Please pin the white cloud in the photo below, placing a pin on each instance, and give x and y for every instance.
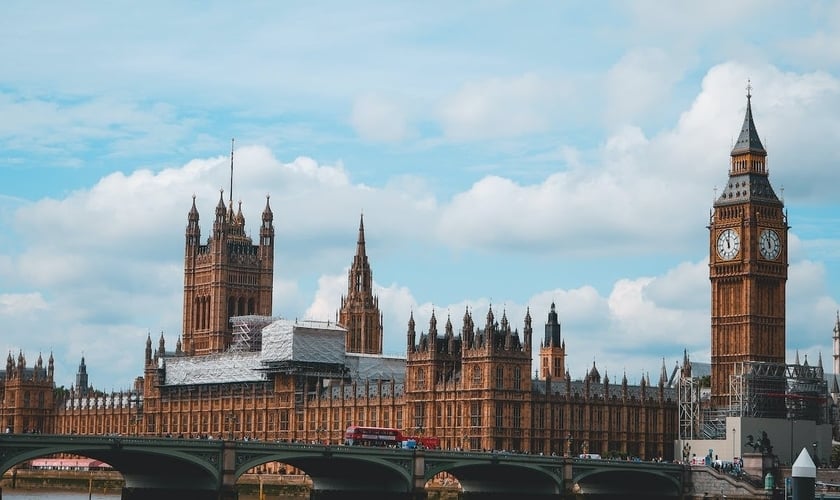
(378, 118)
(641, 190)
(501, 107)
(23, 304)
(106, 261)
(638, 84)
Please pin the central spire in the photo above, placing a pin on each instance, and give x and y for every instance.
(231, 172)
(360, 244)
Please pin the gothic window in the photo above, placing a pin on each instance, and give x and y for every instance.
(420, 383)
(419, 411)
(500, 415)
(26, 399)
(517, 376)
(516, 421)
(500, 377)
(475, 414)
(284, 420)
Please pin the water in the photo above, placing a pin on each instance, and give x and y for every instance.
(10, 494)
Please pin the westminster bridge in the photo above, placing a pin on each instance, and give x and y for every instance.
(167, 468)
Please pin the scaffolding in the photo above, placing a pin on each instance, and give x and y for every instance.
(688, 389)
(759, 389)
(756, 389)
(247, 332)
(808, 394)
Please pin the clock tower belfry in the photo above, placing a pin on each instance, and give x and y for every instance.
(748, 266)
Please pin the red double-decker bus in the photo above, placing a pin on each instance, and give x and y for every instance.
(372, 436)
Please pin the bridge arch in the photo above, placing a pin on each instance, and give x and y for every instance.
(161, 465)
(636, 483)
(339, 469)
(519, 480)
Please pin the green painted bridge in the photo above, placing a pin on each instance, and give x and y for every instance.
(208, 469)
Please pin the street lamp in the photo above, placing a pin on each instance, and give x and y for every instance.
(816, 459)
(686, 452)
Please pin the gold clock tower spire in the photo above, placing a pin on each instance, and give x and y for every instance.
(748, 265)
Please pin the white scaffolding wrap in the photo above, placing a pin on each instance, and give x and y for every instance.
(303, 341)
(213, 369)
(285, 344)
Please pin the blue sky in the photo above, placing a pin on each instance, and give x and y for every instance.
(502, 152)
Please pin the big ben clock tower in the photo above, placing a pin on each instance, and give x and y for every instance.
(748, 265)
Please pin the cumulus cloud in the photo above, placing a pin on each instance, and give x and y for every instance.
(644, 189)
(102, 265)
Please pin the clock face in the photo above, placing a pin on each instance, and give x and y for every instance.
(728, 244)
(769, 244)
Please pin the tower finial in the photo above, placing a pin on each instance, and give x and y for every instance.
(749, 89)
(231, 171)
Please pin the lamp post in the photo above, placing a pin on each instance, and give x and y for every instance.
(734, 443)
(791, 443)
(230, 420)
(816, 459)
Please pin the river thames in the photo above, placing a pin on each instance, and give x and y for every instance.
(10, 494)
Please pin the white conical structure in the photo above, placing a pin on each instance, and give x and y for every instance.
(804, 465)
(803, 477)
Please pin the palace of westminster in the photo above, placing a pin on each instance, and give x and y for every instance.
(237, 372)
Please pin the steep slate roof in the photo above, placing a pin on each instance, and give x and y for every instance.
(748, 141)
